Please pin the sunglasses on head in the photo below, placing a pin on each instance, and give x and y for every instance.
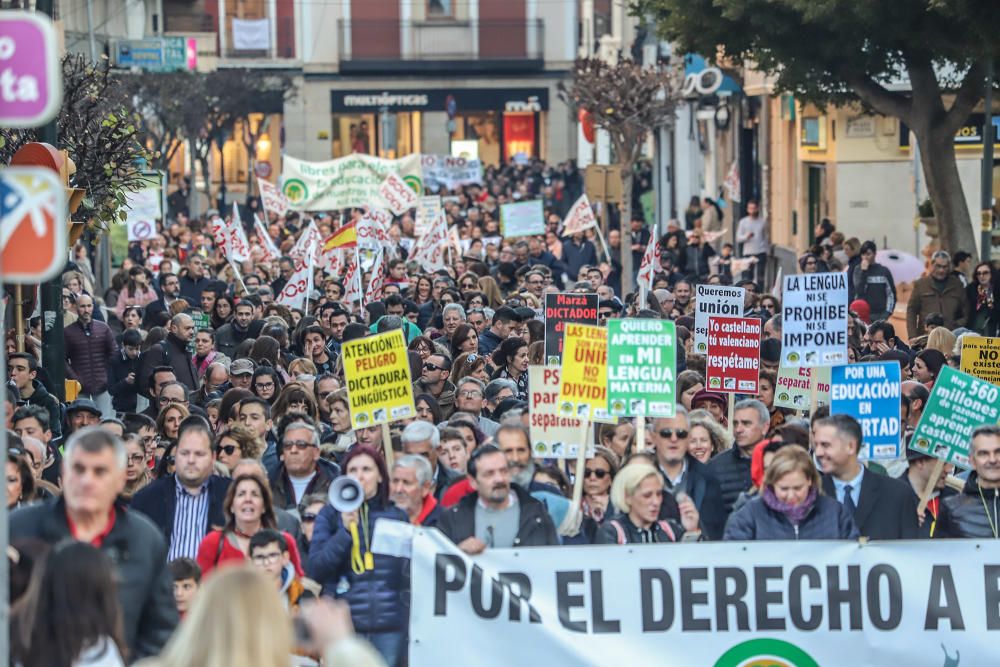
(670, 432)
(595, 472)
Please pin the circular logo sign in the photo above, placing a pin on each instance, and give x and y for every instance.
(415, 183)
(262, 168)
(766, 653)
(295, 190)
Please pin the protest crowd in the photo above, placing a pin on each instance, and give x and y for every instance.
(261, 389)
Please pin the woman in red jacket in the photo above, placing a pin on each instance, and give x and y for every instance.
(249, 508)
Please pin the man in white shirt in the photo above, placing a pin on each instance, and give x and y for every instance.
(755, 236)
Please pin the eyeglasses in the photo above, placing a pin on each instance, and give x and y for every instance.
(468, 285)
(264, 385)
(163, 400)
(594, 472)
(228, 450)
(428, 366)
(670, 432)
(471, 394)
(136, 458)
(308, 517)
(605, 315)
(984, 273)
(297, 444)
(267, 559)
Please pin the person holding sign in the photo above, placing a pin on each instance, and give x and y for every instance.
(974, 512)
(637, 493)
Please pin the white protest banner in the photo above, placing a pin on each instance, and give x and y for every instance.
(271, 252)
(650, 263)
(580, 218)
(553, 436)
(377, 281)
(446, 171)
(230, 237)
(346, 182)
(814, 320)
(714, 301)
(352, 283)
(397, 195)
(298, 287)
(429, 250)
(737, 604)
(143, 212)
(373, 228)
(307, 243)
(525, 218)
(427, 212)
(271, 198)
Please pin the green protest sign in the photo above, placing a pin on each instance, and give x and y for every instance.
(958, 404)
(642, 362)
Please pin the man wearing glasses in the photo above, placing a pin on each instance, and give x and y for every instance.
(534, 282)
(471, 400)
(434, 381)
(302, 472)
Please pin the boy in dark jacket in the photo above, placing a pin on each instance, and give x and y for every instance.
(123, 373)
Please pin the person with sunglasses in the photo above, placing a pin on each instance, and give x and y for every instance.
(302, 471)
(597, 477)
(684, 476)
(434, 381)
(237, 443)
(309, 509)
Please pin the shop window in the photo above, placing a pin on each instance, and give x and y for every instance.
(519, 136)
(363, 133)
(483, 128)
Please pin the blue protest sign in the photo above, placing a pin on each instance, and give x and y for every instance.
(870, 394)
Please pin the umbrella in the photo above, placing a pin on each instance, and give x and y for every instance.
(904, 267)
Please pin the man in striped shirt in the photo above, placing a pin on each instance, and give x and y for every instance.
(188, 503)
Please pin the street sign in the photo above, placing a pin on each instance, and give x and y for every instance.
(32, 224)
(30, 76)
(155, 54)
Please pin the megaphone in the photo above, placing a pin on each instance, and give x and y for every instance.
(346, 494)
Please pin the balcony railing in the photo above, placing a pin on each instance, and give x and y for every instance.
(441, 41)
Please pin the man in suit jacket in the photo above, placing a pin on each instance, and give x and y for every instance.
(186, 505)
(883, 508)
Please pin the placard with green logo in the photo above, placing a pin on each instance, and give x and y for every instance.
(958, 405)
(642, 362)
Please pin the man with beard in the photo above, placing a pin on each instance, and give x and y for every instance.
(90, 347)
(172, 352)
(230, 335)
(422, 438)
(500, 515)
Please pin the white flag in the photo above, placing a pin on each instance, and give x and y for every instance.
(352, 283)
(580, 218)
(272, 199)
(271, 252)
(305, 247)
(373, 229)
(399, 196)
(230, 237)
(377, 282)
(429, 250)
(298, 287)
(650, 263)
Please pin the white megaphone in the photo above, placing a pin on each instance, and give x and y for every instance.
(346, 494)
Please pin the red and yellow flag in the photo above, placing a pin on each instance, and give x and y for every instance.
(345, 237)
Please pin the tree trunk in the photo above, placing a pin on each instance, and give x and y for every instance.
(937, 156)
(625, 220)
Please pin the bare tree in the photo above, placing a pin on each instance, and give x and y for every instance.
(628, 101)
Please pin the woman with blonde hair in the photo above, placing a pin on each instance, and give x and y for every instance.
(169, 420)
(707, 438)
(792, 505)
(237, 443)
(942, 340)
(637, 493)
(488, 286)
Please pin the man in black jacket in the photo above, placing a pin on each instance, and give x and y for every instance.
(173, 352)
(123, 373)
(976, 511)
(732, 467)
(93, 476)
(500, 514)
(157, 313)
(22, 369)
(188, 503)
(684, 474)
(230, 335)
(918, 475)
(302, 472)
(883, 508)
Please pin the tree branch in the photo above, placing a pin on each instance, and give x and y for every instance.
(967, 97)
(880, 98)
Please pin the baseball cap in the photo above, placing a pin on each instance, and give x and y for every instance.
(241, 367)
(85, 405)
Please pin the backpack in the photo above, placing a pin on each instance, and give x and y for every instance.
(663, 523)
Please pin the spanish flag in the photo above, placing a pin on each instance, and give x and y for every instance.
(345, 237)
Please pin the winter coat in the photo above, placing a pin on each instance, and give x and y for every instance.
(992, 315)
(124, 395)
(706, 494)
(968, 514)
(445, 478)
(158, 502)
(445, 400)
(284, 492)
(535, 530)
(376, 597)
(575, 257)
(88, 352)
(827, 520)
(43, 399)
(732, 470)
(139, 554)
(664, 530)
(228, 338)
(173, 352)
(926, 300)
(877, 288)
(488, 342)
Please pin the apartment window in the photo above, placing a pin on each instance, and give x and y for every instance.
(440, 8)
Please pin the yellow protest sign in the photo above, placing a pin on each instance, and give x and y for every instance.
(377, 370)
(981, 358)
(583, 386)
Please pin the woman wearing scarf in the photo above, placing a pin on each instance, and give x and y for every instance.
(983, 295)
(791, 505)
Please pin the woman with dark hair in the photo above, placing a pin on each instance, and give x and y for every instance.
(341, 549)
(423, 346)
(511, 360)
(464, 340)
(266, 383)
(472, 364)
(249, 508)
(423, 292)
(428, 409)
(927, 365)
(137, 292)
(230, 405)
(294, 397)
(222, 311)
(166, 460)
(70, 615)
(983, 296)
(266, 351)
(20, 480)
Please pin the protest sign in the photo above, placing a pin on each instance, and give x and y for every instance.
(580, 218)
(814, 319)
(553, 436)
(525, 218)
(981, 358)
(793, 387)
(561, 309)
(714, 300)
(446, 171)
(733, 360)
(230, 237)
(346, 182)
(428, 212)
(429, 250)
(296, 291)
(870, 393)
(714, 604)
(271, 198)
(143, 212)
(957, 405)
(377, 373)
(650, 263)
(399, 196)
(583, 386)
(642, 363)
